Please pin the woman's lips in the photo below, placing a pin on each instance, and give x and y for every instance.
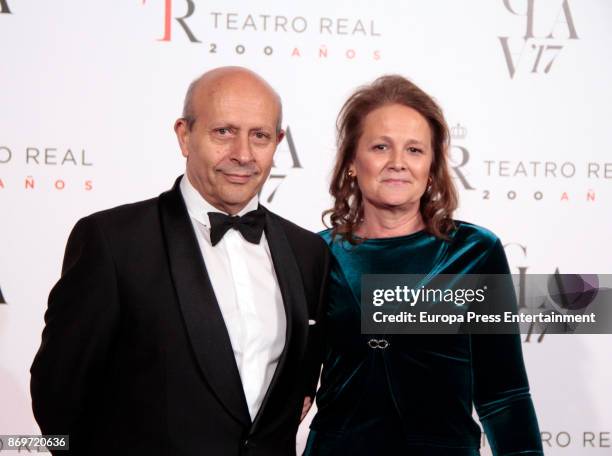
(396, 181)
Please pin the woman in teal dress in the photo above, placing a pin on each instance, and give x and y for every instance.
(393, 203)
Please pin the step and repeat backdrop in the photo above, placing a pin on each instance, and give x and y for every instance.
(89, 92)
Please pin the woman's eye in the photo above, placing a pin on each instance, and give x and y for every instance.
(380, 147)
(415, 150)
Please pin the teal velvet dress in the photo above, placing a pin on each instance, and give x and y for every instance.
(416, 396)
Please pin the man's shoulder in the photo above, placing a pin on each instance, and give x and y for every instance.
(298, 235)
(136, 214)
(125, 215)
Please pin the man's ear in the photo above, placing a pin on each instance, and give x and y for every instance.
(181, 128)
(279, 136)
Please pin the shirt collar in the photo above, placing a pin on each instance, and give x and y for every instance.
(198, 208)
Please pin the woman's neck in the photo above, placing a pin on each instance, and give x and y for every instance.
(389, 222)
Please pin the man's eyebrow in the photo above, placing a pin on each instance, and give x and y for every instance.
(225, 125)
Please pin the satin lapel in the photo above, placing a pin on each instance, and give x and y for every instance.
(292, 291)
(203, 319)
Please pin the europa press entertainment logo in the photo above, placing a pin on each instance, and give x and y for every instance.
(564, 293)
(533, 53)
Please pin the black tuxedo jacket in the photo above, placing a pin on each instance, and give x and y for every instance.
(135, 356)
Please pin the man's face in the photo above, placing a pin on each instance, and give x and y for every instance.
(231, 144)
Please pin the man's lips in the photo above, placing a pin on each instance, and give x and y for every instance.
(237, 178)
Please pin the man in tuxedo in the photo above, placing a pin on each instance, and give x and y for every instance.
(185, 324)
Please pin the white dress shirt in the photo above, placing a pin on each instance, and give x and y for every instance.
(247, 290)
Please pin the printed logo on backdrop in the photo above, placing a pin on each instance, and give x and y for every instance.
(459, 156)
(585, 440)
(280, 171)
(187, 22)
(2, 300)
(46, 168)
(4, 7)
(523, 181)
(564, 291)
(546, 34)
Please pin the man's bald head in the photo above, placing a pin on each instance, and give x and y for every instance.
(229, 132)
(220, 79)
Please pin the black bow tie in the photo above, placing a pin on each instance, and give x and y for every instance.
(250, 225)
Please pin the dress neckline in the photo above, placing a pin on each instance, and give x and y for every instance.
(403, 237)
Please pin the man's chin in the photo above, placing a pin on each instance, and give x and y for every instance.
(239, 195)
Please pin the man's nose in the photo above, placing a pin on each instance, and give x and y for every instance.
(241, 149)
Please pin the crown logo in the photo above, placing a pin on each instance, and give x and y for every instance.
(458, 131)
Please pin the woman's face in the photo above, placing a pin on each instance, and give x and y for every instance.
(393, 158)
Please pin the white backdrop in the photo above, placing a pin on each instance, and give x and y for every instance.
(89, 92)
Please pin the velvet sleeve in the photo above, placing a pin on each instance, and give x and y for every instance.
(501, 389)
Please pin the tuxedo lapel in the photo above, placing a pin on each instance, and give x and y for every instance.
(201, 313)
(294, 302)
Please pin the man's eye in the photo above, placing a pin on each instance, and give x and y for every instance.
(262, 135)
(224, 131)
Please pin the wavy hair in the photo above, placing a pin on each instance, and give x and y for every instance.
(439, 200)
